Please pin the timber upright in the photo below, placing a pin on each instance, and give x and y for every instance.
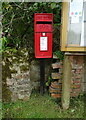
(72, 41)
(43, 27)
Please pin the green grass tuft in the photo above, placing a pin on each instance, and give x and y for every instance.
(43, 107)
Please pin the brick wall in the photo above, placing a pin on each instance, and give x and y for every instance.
(77, 82)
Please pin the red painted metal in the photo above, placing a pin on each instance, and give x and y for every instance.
(43, 32)
(43, 28)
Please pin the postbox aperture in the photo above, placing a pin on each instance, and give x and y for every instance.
(43, 35)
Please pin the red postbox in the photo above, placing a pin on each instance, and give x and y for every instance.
(43, 23)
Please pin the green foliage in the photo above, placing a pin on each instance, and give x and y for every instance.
(0, 110)
(4, 42)
(49, 81)
(59, 54)
(18, 23)
(53, 5)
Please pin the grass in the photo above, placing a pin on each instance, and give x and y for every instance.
(0, 110)
(43, 107)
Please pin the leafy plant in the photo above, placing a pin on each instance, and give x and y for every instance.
(59, 54)
(3, 42)
(18, 23)
(49, 81)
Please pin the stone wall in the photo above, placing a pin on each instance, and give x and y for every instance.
(16, 82)
(20, 75)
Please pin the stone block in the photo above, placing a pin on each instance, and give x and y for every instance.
(56, 65)
(35, 85)
(14, 97)
(9, 82)
(23, 87)
(20, 96)
(23, 82)
(34, 71)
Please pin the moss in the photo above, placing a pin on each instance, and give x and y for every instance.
(20, 59)
(25, 60)
(6, 72)
(24, 68)
(13, 71)
(6, 93)
(19, 53)
(16, 60)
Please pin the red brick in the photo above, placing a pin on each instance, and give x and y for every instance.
(71, 81)
(54, 90)
(56, 86)
(78, 76)
(76, 81)
(77, 90)
(78, 71)
(71, 90)
(76, 86)
(56, 76)
(56, 95)
(71, 58)
(74, 94)
(80, 60)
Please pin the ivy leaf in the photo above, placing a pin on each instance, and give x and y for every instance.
(53, 5)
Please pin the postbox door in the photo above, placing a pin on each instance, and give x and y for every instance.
(43, 27)
(43, 45)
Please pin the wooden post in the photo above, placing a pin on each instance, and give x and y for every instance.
(66, 82)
